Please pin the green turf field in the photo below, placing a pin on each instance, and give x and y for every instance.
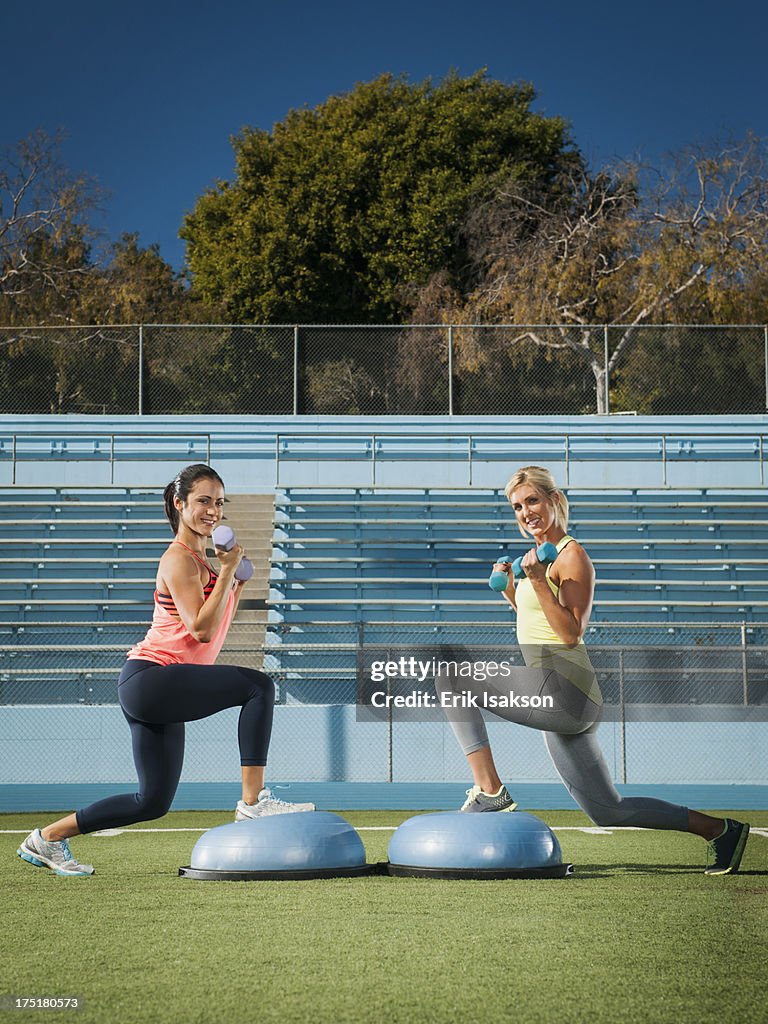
(638, 934)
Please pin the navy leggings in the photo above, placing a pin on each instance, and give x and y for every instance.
(157, 700)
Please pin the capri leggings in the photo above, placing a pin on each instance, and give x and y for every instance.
(570, 737)
(157, 700)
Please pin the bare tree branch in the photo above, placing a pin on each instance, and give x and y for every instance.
(624, 245)
(45, 233)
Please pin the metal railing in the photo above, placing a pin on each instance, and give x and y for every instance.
(90, 446)
(661, 449)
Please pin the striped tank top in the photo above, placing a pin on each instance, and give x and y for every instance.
(169, 642)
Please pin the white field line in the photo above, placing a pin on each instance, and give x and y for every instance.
(592, 831)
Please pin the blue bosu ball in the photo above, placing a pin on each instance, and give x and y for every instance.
(299, 845)
(500, 844)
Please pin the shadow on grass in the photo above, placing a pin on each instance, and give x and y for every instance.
(646, 869)
(665, 869)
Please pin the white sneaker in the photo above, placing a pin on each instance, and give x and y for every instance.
(267, 804)
(56, 856)
(478, 800)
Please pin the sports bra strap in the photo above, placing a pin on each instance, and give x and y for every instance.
(195, 555)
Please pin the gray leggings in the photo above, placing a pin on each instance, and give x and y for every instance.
(569, 733)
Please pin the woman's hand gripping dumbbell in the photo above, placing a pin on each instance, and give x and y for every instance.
(224, 539)
(499, 580)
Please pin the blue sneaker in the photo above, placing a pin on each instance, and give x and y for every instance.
(56, 856)
(477, 800)
(724, 853)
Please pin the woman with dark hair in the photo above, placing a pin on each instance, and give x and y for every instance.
(170, 678)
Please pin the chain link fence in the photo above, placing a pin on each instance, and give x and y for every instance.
(384, 370)
(59, 693)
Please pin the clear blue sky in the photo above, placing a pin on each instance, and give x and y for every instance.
(150, 92)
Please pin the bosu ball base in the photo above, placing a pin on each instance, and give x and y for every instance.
(301, 845)
(478, 874)
(486, 845)
(208, 875)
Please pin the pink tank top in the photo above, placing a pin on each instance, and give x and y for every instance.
(169, 642)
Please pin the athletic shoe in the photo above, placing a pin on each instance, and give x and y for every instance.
(725, 851)
(267, 804)
(477, 800)
(56, 856)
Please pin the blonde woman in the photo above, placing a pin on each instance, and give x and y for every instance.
(553, 604)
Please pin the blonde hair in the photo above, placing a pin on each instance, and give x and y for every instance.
(545, 484)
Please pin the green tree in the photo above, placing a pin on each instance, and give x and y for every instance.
(136, 285)
(339, 210)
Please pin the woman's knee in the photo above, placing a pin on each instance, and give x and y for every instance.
(153, 805)
(606, 816)
(262, 686)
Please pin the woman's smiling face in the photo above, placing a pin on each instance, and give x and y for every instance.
(204, 507)
(534, 511)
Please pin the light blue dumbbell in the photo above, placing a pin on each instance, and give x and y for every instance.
(224, 539)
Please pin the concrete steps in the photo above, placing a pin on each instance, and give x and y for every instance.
(251, 517)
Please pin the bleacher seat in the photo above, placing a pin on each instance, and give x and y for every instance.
(77, 573)
(382, 565)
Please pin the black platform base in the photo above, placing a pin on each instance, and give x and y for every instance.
(366, 870)
(408, 871)
(208, 875)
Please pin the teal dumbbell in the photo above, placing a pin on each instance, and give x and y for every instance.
(499, 580)
(546, 554)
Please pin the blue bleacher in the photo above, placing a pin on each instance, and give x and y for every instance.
(79, 555)
(388, 565)
(77, 571)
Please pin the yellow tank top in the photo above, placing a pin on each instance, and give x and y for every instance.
(542, 647)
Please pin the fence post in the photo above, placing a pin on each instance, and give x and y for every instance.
(622, 704)
(296, 371)
(744, 666)
(450, 370)
(606, 358)
(141, 369)
(567, 460)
